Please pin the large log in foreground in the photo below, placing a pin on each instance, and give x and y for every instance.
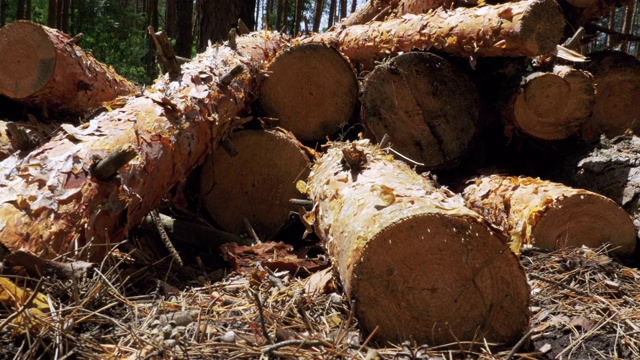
(43, 68)
(427, 106)
(418, 264)
(550, 215)
(525, 28)
(52, 204)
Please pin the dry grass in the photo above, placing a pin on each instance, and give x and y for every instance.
(584, 305)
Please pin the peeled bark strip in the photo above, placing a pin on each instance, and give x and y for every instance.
(428, 107)
(311, 89)
(552, 105)
(617, 78)
(526, 28)
(257, 183)
(42, 68)
(416, 261)
(52, 205)
(550, 215)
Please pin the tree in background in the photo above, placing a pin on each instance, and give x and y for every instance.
(216, 18)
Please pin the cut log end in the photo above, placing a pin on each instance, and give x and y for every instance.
(554, 105)
(617, 77)
(27, 66)
(428, 108)
(436, 278)
(311, 89)
(256, 184)
(585, 219)
(542, 27)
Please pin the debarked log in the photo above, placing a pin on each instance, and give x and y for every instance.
(410, 255)
(52, 204)
(550, 215)
(525, 28)
(44, 68)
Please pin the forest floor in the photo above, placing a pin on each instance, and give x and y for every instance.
(585, 305)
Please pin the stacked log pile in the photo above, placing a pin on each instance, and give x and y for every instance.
(412, 255)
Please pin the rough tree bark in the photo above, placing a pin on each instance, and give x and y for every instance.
(525, 28)
(617, 78)
(551, 105)
(256, 183)
(311, 89)
(43, 68)
(428, 108)
(369, 10)
(411, 255)
(550, 215)
(52, 204)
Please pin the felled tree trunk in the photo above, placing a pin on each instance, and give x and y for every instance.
(418, 264)
(613, 170)
(551, 105)
(580, 12)
(43, 68)
(550, 215)
(617, 78)
(256, 183)
(51, 202)
(311, 89)
(526, 28)
(369, 11)
(427, 107)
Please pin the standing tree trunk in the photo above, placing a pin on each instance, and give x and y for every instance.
(4, 6)
(52, 74)
(170, 18)
(152, 20)
(279, 10)
(65, 15)
(52, 13)
(343, 9)
(428, 107)
(297, 18)
(20, 10)
(184, 31)
(550, 215)
(218, 17)
(354, 5)
(60, 5)
(332, 12)
(317, 15)
(27, 10)
(285, 16)
(411, 255)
